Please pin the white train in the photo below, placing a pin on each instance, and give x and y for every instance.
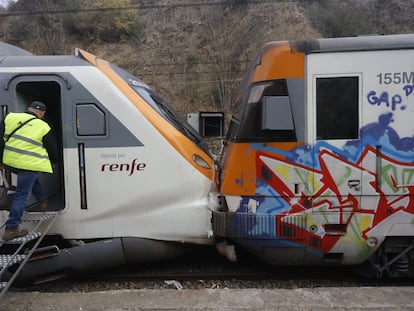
(132, 182)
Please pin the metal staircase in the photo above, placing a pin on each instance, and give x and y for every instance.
(14, 254)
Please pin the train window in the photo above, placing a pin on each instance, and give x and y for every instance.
(211, 124)
(262, 118)
(337, 108)
(233, 126)
(208, 124)
(276, 113)
(160, 106)
(90, 120)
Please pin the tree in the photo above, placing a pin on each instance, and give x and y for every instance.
(335, 18)
(42, 32)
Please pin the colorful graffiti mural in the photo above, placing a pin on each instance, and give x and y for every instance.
(329, 185)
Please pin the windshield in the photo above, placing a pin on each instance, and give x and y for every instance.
(161, 106)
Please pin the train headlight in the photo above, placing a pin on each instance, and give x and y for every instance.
(313, 228)
(200, 161)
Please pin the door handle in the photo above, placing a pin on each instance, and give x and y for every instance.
(354, 184)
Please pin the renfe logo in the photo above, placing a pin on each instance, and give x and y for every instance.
(124, 167)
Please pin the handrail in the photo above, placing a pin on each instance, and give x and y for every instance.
(40, 237)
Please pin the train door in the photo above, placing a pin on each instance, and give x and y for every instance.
(22, 90)
(334, 113)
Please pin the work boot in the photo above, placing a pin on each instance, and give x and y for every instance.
(44, 204)
(12, 233)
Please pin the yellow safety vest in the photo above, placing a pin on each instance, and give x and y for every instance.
(24, 149)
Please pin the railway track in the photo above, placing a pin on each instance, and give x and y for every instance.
(206, 269)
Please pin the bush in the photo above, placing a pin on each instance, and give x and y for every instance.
(339, 18)
(336, 18)
(40, 32)
(105, 20)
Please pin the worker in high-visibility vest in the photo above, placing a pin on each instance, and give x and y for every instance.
(24, 153)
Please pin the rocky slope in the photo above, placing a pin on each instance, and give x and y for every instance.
(195, 56)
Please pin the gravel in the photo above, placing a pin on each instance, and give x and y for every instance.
(207, 270)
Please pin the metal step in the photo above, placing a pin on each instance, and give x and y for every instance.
(8, 260)
(38, 216)
(29, 237)
(19, 259)
(31, 217)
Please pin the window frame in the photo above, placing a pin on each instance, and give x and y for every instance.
(358, 76)
(104, 116)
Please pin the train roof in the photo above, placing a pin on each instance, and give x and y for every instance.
(13, 56)
(42, 61)
(349, 44)
(7, 49)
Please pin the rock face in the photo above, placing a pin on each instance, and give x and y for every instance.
(195, 56)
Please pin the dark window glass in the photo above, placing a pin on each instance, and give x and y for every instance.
(161, 106)
(90, 120)
(337, 108)
(262, 108)
(212, 124)
(276, 113)
(232, 131)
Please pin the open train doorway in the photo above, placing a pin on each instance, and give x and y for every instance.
(49, 92)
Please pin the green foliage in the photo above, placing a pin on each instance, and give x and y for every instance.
(88, 20)
(106, 20)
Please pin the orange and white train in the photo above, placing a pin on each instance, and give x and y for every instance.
(318, 164)
(131, 182)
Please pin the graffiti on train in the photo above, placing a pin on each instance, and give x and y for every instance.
(359, 186)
